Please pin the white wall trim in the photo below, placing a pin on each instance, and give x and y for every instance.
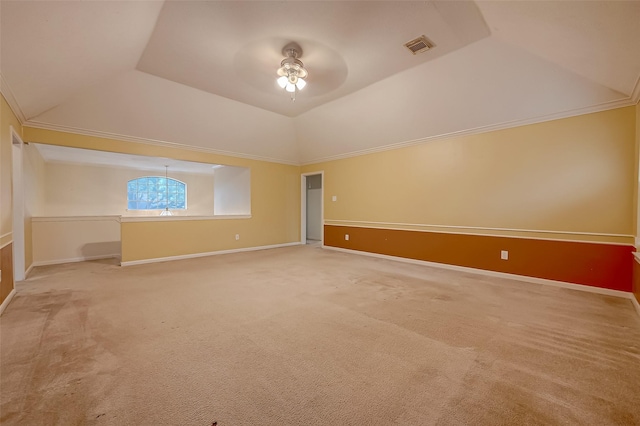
(303, 206)
(28, 271)
(6, 235)
(211, 253)
(74, 260)
(159, 218)
(6, 91)
(6, 301)
(572, 286)
(18, 204)
(115, 218)
(635, 303)
(100, 134)
(620, 103)
(408, 227)
(542, 231)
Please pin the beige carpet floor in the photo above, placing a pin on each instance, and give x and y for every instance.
(306, 336)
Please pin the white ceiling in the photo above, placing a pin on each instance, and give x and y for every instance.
(202, 73)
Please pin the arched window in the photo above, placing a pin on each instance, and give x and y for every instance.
(156, 193)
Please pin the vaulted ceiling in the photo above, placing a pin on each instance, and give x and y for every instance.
(202, 73)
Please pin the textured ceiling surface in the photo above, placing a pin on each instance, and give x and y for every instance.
(202, 73)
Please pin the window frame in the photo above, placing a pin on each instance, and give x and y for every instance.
(168, 179)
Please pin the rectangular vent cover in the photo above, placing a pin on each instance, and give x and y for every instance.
(419, 45)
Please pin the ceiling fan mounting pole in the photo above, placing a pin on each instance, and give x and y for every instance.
(292, 50)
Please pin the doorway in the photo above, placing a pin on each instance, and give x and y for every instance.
(312, 202)
(18, 207)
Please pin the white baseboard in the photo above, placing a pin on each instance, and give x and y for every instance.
(6, 301)
(211, 253)
(71, 260)
(635, 303)
(572, 286)
(26, 273)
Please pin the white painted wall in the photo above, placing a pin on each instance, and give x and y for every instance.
(86, 190)
(232, 191)
(73, 239)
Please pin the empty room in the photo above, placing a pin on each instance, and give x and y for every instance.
(319, 212)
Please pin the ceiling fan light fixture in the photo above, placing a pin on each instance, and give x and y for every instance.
(292, 73)
(282, 81)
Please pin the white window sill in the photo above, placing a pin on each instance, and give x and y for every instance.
(174, 218)
(74, 218)
(156, 218)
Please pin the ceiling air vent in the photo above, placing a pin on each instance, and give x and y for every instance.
(419, 45)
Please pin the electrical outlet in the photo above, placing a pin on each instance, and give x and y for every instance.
(346, 237)
(237, 237)
(504, 255)
(334, 198)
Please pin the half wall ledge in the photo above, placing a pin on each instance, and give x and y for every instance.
(176, 218)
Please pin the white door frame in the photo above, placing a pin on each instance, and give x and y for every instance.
(303, 206)
(18, 206)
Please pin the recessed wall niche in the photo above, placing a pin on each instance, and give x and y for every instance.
(82, 182)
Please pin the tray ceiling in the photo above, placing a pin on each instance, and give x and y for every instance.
(202, 73)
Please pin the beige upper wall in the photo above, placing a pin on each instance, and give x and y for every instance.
(570, 175)
(575, 175)
(86, 190)
(7, 119)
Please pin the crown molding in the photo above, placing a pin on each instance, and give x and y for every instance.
(6, 91)
(620, 103)
(147, 141)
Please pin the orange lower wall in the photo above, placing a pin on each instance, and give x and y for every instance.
(600, 265)
(6, 265)
(636, 279)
